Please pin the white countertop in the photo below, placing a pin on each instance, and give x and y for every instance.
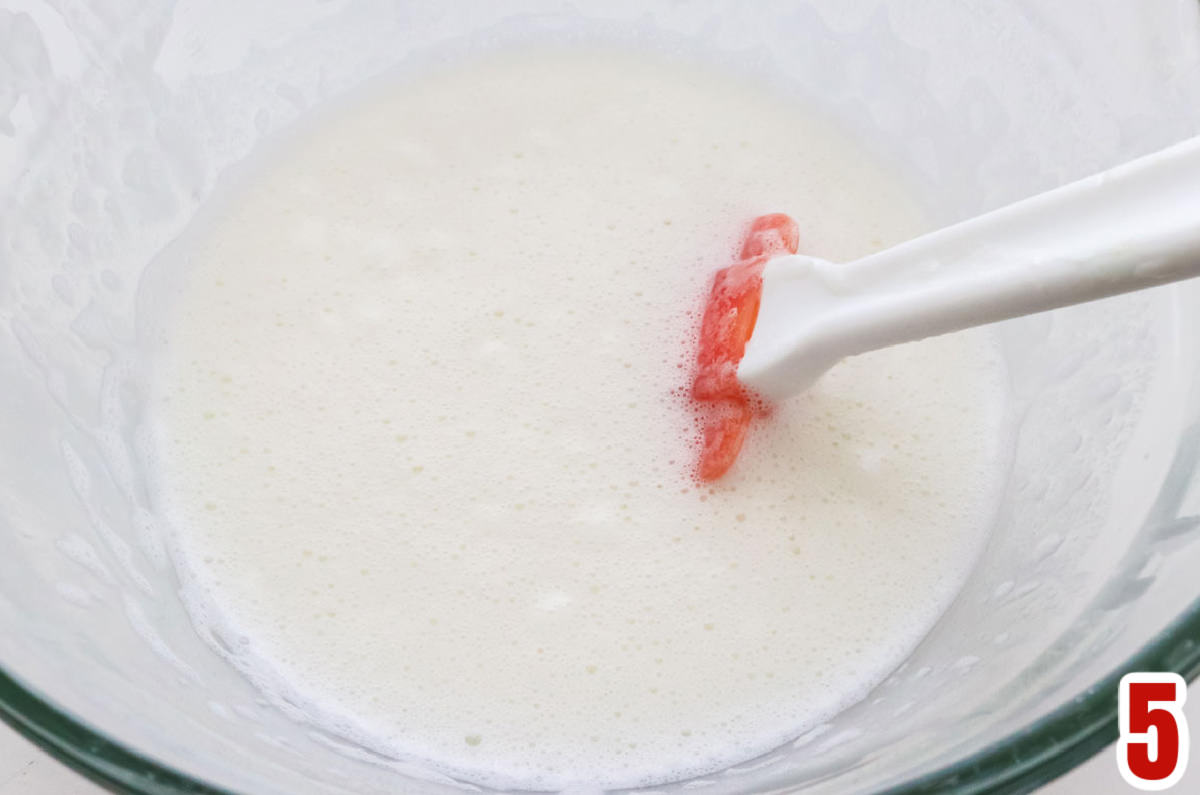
(25, 770)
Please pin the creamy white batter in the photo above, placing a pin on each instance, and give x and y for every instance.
(423, 443)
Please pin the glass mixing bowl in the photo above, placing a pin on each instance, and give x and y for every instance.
(118, 118)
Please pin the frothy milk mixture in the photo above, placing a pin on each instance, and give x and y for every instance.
(423, 442)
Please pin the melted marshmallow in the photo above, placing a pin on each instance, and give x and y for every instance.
(422, 440)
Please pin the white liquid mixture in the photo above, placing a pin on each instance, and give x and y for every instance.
(423, 443)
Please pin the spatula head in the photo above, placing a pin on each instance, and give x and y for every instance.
(724, 408)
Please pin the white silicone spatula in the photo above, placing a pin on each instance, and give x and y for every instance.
(1133, 227)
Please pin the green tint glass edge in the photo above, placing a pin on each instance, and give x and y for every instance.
(1042, 752)
(88, 751)
(1071, 734)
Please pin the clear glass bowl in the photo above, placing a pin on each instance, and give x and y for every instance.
(116, 122)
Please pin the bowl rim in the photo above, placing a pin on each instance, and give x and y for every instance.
(1028, 757)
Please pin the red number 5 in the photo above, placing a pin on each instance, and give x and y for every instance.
(1152, 752)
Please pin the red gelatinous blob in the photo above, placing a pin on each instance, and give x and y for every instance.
(729, 316)
(771, 236)
(723, 439)
(727, 324)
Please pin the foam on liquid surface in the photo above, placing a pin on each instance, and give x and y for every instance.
(422, 441)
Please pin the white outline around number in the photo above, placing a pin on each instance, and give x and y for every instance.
(1175, 708)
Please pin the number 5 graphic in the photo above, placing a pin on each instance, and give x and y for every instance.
(1152, 753)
